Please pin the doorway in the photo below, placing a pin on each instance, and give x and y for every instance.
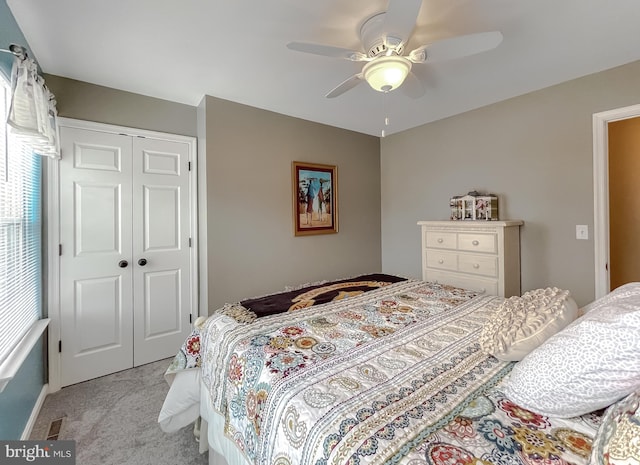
(624, 202)
(127, 268)
(602, 238)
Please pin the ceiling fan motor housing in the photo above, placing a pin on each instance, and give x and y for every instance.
(373, 40)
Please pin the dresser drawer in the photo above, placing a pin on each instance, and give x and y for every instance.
(477, 242)
(440, 240)
(485, 265)
(480, 285)
(442, 260)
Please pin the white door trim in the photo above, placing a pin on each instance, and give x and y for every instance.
(601, 191)
(53, 233)
(53, 273)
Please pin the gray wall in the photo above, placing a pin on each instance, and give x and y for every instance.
(252, 249)
(80, 100)
(250, 246)
(534, 151)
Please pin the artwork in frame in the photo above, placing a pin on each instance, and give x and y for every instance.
(315, 198)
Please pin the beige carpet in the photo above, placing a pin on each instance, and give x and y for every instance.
(113, 420)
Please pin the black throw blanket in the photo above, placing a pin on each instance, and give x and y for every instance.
(317, 294)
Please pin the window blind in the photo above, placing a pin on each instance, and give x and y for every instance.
(20, 234)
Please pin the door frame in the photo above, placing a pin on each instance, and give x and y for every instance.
(53, 233)
(601, 191)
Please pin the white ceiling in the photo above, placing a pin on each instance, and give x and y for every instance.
(236, 50)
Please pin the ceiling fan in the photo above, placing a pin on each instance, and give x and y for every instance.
(384, 37)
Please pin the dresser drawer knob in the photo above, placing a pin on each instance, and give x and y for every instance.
(476, 266)
(441, 261)
(440, 240)
(475, 242)
(483, 291)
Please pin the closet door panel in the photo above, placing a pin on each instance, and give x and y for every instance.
(161, 240)
(96, 293)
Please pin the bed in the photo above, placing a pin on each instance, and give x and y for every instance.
(386, 370)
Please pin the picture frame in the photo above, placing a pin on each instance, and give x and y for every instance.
(315, 198)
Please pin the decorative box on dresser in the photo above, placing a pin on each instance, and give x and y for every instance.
(483, 256)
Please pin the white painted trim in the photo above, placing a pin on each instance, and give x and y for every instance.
(601, 191)
(112, 129)
(53, 210)
(10, 366)
(195, 212)
(26, 434)
(53, 273)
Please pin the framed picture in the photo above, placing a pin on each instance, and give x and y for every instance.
(315, 198)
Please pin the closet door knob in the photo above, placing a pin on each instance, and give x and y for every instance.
(123, 263)
(142, 262)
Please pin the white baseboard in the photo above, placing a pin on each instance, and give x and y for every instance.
(34, 413)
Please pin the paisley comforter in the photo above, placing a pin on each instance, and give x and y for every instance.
(395, 375)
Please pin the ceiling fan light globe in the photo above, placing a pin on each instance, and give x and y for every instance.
(386, 73)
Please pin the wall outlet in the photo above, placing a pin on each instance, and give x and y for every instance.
(582, 231)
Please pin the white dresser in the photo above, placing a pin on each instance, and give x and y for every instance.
(483, 256)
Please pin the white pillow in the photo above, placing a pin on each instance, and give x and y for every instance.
(521, 324)
(587, 366)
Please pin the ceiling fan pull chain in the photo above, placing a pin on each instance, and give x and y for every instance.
(384, 111)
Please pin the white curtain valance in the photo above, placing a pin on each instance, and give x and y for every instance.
(33, 114)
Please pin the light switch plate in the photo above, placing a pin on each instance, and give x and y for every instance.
(582, 231)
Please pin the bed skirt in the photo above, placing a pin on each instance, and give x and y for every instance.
(222, 451)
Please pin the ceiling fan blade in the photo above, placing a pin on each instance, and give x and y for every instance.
(327, 51)
(346, 85)
(456, 47)
(400, 19)
(412, 86)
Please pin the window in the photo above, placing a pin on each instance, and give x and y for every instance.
(20, 234)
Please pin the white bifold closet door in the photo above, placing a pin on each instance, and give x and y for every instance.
(125, 263)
